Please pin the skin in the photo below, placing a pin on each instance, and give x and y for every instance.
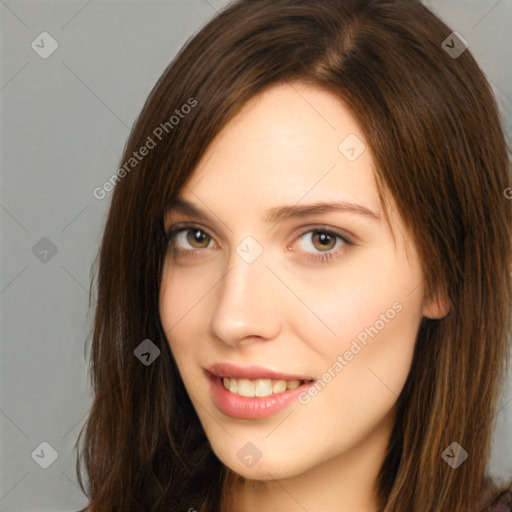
(289, 313)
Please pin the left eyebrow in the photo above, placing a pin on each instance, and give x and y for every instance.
(280, 213)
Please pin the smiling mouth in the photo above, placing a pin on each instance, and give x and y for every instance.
(260, 387)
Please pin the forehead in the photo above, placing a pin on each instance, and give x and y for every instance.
(288, 144)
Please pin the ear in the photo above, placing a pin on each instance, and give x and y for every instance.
(437, 307)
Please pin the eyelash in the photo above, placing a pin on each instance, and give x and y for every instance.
(319, 258)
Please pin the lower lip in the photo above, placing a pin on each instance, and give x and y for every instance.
(238, 406)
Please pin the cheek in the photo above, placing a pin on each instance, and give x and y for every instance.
(181, 301)
(376, 361)
(364, 355)
(177, 306)
(368, 300)
(370, 355)
(366, 364)
(359, 387)
(183, 293)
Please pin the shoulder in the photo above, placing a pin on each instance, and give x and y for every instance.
(498, 499)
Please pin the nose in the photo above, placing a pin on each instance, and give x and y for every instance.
(246, 303)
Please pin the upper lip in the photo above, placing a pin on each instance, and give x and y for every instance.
(251, 372)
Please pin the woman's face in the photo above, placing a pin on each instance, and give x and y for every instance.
(266, 289)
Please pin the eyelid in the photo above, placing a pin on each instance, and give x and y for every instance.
(343, 233)
(314, 225)
(297, 234)
(322, 256)
(178, 226)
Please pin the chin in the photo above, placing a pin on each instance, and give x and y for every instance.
(264, 472)
(266, 468)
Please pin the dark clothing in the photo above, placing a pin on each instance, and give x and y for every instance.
(499, 503)
(502, 502)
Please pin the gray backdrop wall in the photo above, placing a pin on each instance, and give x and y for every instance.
(73, 77)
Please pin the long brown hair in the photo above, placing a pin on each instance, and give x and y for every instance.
(439, 150)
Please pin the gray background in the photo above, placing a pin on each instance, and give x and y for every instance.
(65, 120)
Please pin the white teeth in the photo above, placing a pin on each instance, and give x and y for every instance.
(230, 384)
(279, 386)
(292, 384)
(245, 388)
(259, 387)
(263, 387)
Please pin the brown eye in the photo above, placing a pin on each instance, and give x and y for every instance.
(196, 238)
(323, 245)
(187, 238)
(323, 240)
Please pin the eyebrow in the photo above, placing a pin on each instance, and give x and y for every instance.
(280, 213)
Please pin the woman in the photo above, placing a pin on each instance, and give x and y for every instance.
(305, 281)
